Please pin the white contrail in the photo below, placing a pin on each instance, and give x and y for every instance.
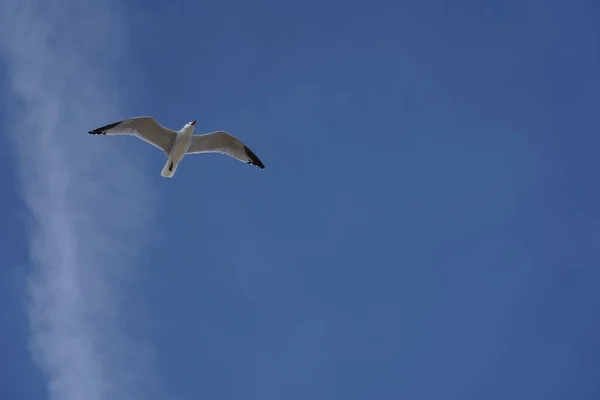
(89, 204)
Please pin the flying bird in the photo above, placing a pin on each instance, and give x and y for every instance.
(177, 144)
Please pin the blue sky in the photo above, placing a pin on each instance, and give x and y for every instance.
(426, 226)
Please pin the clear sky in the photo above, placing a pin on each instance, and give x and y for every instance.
(427, 225)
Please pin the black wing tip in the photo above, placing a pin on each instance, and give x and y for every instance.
(102, 130)
(254, 160)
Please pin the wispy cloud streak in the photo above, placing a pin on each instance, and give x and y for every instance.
(89, 203)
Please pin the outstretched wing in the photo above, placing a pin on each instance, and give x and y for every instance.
(145, 128)
(224, 143)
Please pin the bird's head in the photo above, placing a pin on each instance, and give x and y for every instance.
(190, 125)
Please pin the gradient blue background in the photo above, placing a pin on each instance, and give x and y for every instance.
(427, 226)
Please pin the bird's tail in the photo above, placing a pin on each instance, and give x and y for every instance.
(169, 169)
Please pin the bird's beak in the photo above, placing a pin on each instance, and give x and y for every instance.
(193, 123)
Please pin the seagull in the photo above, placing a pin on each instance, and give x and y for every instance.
(177, 144)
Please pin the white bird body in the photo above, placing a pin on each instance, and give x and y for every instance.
(177, 144)
(183, 140)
